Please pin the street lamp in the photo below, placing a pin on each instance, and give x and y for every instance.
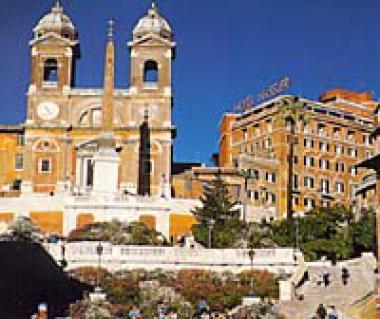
(246, 175)
(297, 233)
(63, 252)
(251, 254)
(99, 251)
(210, 226)
(296, 217)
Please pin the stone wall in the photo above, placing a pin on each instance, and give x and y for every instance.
(118, 257)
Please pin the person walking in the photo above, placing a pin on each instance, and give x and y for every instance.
(332, 314)
(321, 312)
(345, 276)
(326, 278)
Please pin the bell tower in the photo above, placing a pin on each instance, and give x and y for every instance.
(152, 51)
(54, 50)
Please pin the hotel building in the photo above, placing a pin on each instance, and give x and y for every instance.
(293, 154)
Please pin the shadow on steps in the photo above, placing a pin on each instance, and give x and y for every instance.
(29, 276)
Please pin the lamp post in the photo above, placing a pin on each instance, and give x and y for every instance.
(99, 251)
(297, 233)
(63, 252)
(210, 226)
(246, 175)
(251, 254)
(296, 221)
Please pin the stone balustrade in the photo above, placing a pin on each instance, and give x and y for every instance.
(119, 257)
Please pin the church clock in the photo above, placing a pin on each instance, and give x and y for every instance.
(47, 110)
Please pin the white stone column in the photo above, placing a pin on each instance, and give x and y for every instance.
(78, 172)
(106, 172)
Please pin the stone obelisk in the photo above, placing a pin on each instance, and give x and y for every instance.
(106, 159)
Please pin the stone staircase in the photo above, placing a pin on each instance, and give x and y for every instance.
(310, 294)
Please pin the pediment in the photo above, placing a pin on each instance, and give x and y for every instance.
(88, 145)
(152, 39)
(91, 146)
(53, 38)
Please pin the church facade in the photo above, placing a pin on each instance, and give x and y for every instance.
(86, 154)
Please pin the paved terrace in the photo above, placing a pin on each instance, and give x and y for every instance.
(119, 257)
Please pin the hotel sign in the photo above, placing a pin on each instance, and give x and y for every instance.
(266, 94)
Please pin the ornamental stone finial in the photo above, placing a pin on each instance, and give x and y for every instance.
(110, 33)
(57, 7)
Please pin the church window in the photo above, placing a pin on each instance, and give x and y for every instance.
(51, 71)
(45, 165)
(19, 161)
(150, 72)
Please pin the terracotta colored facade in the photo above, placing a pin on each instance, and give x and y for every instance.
(292, 160)
(84, 219)
(48, 162)
(190, 183)
(180, 225)
(49, 222)
(314, 156)
(54, 147)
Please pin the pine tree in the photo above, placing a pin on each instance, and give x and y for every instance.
(217, 206)
(216, 203)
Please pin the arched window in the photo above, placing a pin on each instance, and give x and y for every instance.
(150, 72)
(51, 71)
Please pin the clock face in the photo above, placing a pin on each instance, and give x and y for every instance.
(47, 110)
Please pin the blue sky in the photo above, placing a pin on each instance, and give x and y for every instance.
(227, 49)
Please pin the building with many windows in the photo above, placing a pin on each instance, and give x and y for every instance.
(85, 154)
(293, 153)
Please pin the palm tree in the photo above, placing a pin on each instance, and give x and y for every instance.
(290, 112)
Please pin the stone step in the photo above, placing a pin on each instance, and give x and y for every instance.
(341, 296)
